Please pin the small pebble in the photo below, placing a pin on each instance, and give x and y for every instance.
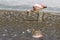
(7, 25)
(10, 39)
(23, 32)
(5, 30)
(28, 30)
(14, 35)
(4, 35)
(33, 16)
(16, 20)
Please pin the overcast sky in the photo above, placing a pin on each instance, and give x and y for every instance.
(30, 2)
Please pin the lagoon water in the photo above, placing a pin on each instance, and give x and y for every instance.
(27, 7)
(53, 5)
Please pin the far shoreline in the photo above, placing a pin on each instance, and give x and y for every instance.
(6, 10)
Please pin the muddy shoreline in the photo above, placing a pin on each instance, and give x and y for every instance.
(13, 23)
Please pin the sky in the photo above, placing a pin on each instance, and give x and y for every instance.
(52, 3)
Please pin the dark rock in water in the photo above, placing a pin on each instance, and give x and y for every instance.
(13, 23)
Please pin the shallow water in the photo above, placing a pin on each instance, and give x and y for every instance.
(13, 26)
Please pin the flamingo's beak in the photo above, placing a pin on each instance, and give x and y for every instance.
(44, 6)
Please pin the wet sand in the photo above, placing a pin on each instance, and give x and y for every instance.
(14, 23)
